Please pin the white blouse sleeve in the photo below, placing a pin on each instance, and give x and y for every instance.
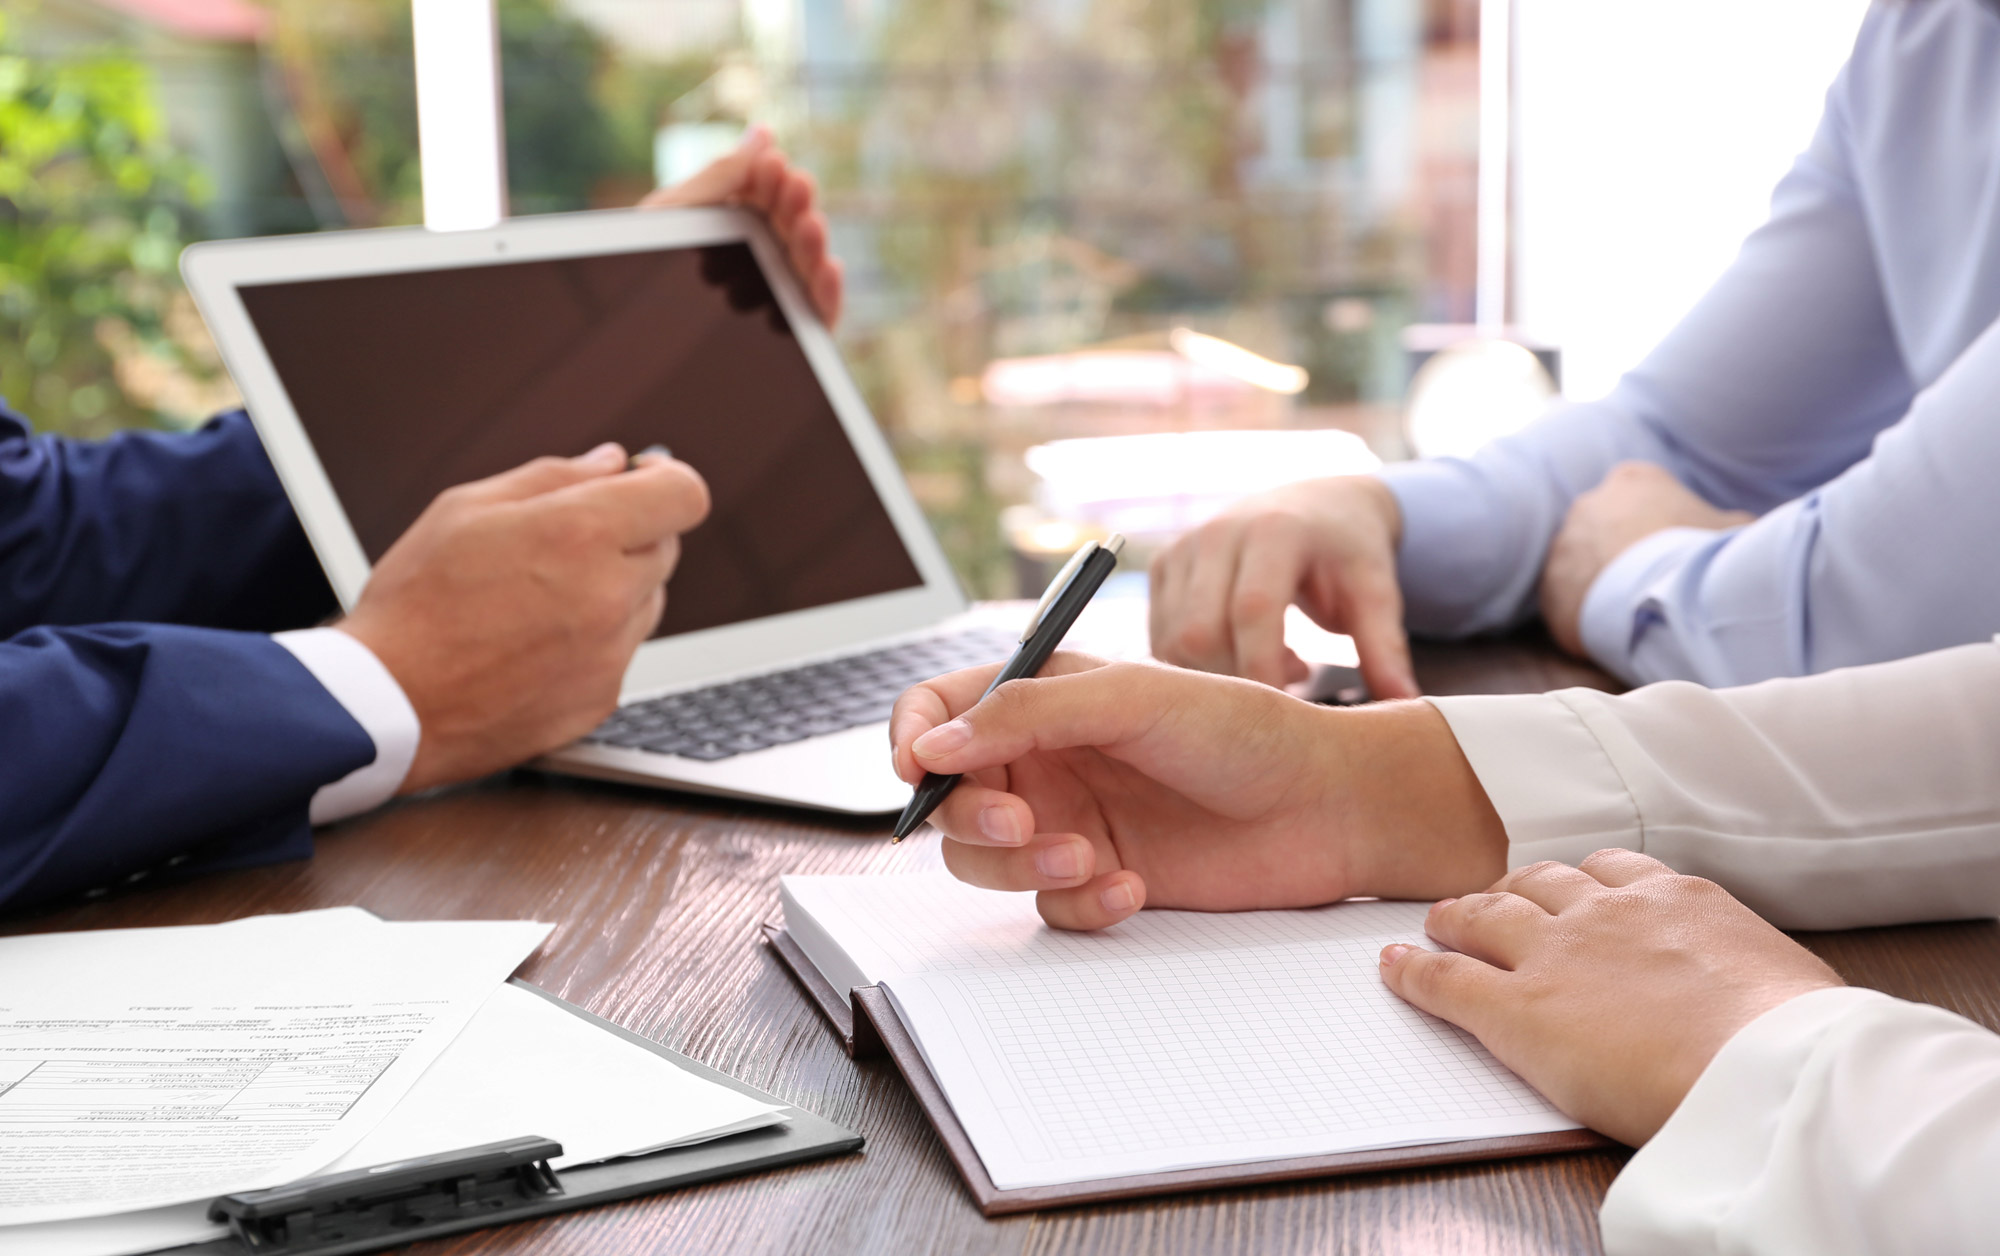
(1865, 796)
(1841, 1122)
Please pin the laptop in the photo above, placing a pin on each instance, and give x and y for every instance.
(382, 367)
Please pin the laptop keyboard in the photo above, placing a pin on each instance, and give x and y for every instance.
(740, 716)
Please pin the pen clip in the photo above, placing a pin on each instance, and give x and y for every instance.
(1057, 585)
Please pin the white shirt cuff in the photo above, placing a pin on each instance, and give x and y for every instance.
(1687, 1189)
(1558, 793)
(357, 680)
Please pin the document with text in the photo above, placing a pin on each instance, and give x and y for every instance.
(147, 1067)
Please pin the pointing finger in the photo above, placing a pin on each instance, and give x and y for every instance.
(546, 475)
(1376, 622)
(655, 500)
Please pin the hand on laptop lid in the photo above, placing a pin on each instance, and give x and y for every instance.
(757, 175)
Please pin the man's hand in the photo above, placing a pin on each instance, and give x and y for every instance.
(1608, 987)
(757, 176)
(1108, 786)
(1220, 593)
(1635, 500)
(509, 610)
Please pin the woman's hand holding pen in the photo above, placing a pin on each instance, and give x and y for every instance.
(1108, 786)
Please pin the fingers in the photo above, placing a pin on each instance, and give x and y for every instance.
(829, 290)
(925, 706)
(656, 500)
(721, 181)
(1063, 870)
(1198, 633)
(1375, 620)
(1457, 988)
(656, 562)
(1498, 928)
(793, 192)
(766, 178)
(1047, 861)
(1267, 577)
(1162, 586)
(1096, 904)
(1102, 707)
(979, 814)
(1617, 867)
(757, 175)
(1551, 886)
(545, 475)
(645, 617)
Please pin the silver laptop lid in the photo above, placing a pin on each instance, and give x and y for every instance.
(384, 367)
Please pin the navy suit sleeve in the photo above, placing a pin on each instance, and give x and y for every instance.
(130, 747)
(163, 527)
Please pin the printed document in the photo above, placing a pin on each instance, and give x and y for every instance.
(523, 1066)
(146, 1067)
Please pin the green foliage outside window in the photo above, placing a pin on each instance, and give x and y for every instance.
(93, 210)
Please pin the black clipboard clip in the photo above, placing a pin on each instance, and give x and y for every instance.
(368, 1208)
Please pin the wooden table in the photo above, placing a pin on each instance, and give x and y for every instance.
(656, 899)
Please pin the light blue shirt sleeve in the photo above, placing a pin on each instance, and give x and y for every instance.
(1894, 557)
(1774, 385)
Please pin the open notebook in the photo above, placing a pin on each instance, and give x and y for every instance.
(1144, 1057)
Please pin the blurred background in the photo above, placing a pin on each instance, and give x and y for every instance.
(1111, 262)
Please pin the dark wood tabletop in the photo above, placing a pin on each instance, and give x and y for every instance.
(656, 900)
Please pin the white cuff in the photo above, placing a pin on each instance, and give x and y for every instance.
(357, 680)
(1695, 1186)
(1558, 794)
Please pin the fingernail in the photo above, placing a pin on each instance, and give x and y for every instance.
(942, 740)
(1442, 903)
(1060, 863)
(1394, 952)
(607, 454)
(1119, 898)
(999, 825)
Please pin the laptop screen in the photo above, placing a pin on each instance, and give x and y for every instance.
(412, 382)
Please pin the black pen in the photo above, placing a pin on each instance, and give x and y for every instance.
(1065, 599)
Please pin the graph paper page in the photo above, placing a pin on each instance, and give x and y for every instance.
(1176, 1040)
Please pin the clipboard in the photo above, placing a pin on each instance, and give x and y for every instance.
(504, 1182)
(870, 1027)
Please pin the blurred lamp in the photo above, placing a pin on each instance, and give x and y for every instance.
(1219, 355)
(1156, 485)
(1471, 392)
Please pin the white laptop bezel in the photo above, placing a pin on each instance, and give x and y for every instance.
(216, 271)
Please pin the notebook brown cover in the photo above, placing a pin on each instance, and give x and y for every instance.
(872, 1027)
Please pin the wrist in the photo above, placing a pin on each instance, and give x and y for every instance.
(1413, 816)
(424, 770)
